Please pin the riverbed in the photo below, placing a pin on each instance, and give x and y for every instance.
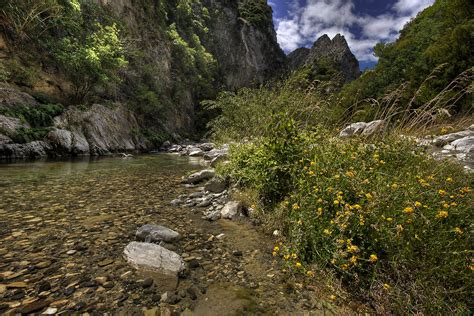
(64, 226)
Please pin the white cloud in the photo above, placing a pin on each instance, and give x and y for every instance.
(306, 23)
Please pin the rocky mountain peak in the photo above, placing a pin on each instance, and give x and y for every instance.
(335, 51)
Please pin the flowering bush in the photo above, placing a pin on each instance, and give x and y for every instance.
(391, 220)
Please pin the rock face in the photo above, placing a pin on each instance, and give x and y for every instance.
(164, 265)
(98, 131)
(246, 52)
(9, 126)
(335, 51)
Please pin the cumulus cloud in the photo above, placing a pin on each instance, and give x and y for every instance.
(305, 23)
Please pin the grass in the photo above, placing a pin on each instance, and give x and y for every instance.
(392, 223)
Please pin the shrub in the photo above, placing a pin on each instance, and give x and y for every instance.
(394, 223)
(38, 116)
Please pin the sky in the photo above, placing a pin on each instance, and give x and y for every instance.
(363, 23)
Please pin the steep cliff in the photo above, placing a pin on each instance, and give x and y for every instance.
(169, 54)
(325, 53)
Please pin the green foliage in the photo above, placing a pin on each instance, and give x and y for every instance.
(26, 135)
(394, 224)
(156, 138)
(242, 114)
(38, 116)
(440, 35)
(255, 12)
(91, 59)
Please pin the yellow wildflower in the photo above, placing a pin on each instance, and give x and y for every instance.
(353, 259)
(353, 248)
(320, 200)
(298, 265)
(296, 206)
(458, 231)
(382, 162)
(327, 232)
(449, 179)
(294, 256)
(286, 257)
(312, 163)
(311, 173)
(442, 214)
(369, 196)
(373, 258)
(320, 211)
(386, 286)
(366, 181)
(418, 204)
(332, 297)
(441, 192)
(276, 248)
(344, 267)
(274, 253)
(445, 205)
(394, 186)
(337, 176)
(336, 202)
(465, 190)
(376, 156)
(399, 228)
(389, 219)
(310, 274)
(350, 174)
(357, 206)
(408, 210)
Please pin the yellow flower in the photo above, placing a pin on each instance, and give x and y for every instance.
(320, 211)
(382, 162)
(399, 228)
(389, 219)
(310, 274)
(312, 163)
(320, 200)
(274, 253)
(369, 196)
(327, 232)
(357, 206)
(353, 259)
(276, 248)
(441, 192)
(298, 265)
(442, 214)
(316, 189)
(353, 248)
(296, 206)
(366, 181)
(286, 257)
(336, 202)
(449, 179)
(311, 173)
(373, 258)
(458, 231)
(294, 256)
(418, 204)
(465, 190)
(350, 174)
(376, 156)
(332, 297)
(386, 286)
(445, 205)
(394, 186)
(300, 222)
(408, 210)
(344, 267)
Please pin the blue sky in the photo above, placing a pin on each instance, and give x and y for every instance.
(364, 23)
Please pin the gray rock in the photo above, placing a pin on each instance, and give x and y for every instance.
(231, 209)
(353, 129)
(9, 126)
(155, 259)
(373, 127)
(156, 233)
(61, 140)
(213, 215)
(176, 202)
(216, 185)
(216, 160)
(206, 146)
(448, 138)
(5, 139)
(464, 145)
(200, 176)
(34, 149)
(210, 155)
(195, 152)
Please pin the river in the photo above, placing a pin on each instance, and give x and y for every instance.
(64, 225)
